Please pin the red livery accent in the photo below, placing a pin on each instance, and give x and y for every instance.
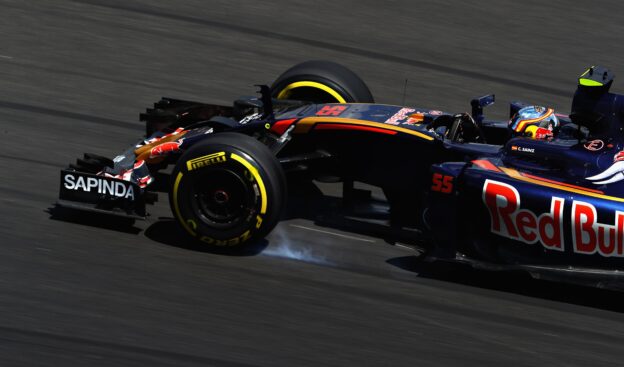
(442, 183)
(144, 181)
(331, 110)
(542, 133)
(590, 237)
(164, 148)
(281, 126)
(139, 164)
(400, 116)
(353, 127)
(508, 220)
(485, 164)
(594, 145)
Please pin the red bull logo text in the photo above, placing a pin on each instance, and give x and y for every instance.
(588, 235)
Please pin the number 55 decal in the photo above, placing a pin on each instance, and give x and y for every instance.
(331, 110)
(442, 183)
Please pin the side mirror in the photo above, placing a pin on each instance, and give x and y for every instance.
(478, 104)
(267, 101)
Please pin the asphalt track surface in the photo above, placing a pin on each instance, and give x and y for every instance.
(78, 292)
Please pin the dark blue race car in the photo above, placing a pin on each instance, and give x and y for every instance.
(543, 192)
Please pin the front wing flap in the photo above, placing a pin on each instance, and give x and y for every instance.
(101, 194)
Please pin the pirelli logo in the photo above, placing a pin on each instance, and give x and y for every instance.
(205, 161)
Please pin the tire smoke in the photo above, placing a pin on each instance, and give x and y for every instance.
(282, 246)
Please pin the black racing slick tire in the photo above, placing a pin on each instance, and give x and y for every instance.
(228, 191)
(321, 81)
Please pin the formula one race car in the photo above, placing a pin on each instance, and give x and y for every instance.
(548, 200)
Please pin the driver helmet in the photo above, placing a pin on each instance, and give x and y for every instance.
(536, 122)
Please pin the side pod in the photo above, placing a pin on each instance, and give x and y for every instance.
(442, 213)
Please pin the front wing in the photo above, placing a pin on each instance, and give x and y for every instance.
(101, 194)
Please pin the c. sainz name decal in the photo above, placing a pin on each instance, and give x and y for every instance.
(588, 236)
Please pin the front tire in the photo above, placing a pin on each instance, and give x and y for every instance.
(228, 191)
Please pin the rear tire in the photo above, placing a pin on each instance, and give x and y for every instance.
(320, 81)
(228, 191)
